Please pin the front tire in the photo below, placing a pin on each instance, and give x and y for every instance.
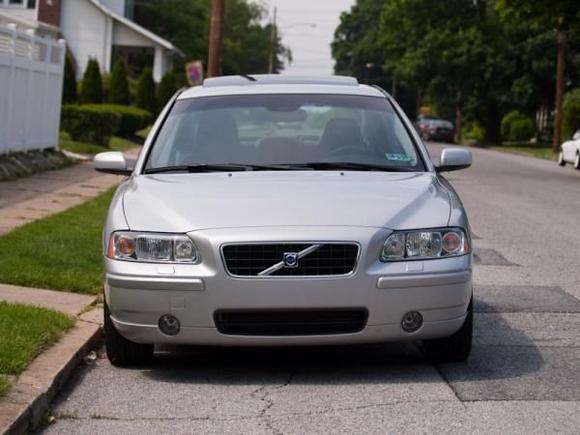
(455, 348)
(561, 161)
(121, 351)
(577, 161)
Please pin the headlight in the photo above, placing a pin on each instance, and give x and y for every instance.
(152, 248)
(425, 244)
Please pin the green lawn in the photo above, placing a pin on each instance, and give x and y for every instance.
(116, 144)
(539, 151)
(60, 252)
(24, 332)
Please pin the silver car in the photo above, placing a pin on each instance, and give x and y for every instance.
(280, 211)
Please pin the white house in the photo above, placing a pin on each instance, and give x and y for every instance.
(101, 29)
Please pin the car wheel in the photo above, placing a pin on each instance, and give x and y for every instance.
(561, 161)
(455, 348)
(577, 161)
(121, 351)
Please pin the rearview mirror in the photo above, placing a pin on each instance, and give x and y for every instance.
(454, 159)
(111, 162)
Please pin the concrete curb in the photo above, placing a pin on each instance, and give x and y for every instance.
(24, 407)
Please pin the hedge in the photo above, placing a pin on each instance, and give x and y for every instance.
(507, 121)
(132, 120)
(571, 114)
(90, 124)
(522, 130)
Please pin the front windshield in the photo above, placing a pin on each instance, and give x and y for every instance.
(284, 130)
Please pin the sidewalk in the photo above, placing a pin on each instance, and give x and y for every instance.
(28, 199)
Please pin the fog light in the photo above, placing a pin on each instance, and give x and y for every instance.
(412, 321)
(169, 324)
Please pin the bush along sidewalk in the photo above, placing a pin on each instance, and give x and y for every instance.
(97, 123)
(23, 164)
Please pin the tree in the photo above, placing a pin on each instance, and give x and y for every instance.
(69, 85)
(119, 85)
(561, 15)
(167, 88)
(146, 98)
(92, 84)
(246, 40)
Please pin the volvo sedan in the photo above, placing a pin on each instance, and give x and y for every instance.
(281, 211)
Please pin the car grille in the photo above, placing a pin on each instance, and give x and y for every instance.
(285, 322)
(315, 259)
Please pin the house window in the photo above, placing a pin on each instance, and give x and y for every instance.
(30, 4)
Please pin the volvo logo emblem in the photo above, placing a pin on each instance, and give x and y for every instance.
(290, 259)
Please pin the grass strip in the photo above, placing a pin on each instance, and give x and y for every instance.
(59, 252)
(24, 332)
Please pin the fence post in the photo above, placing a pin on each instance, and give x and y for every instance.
(62, 48)
(28, 118)
(9, 125)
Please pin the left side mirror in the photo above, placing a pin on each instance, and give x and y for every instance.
(111, 162)
(454, 159)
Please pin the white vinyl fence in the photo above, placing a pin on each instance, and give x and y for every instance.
(31, 74)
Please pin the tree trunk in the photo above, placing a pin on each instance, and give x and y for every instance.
(560, 70)
(458, 118)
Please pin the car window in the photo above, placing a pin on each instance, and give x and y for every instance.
(283, 129)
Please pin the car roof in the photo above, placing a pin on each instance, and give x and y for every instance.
(280, 84)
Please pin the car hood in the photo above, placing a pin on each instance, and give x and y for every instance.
(188, 202)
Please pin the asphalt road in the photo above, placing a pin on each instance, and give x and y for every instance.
(523, 376)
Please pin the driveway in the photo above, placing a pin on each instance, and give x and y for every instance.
(523, 376)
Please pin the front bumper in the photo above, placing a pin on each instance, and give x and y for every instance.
(139, 294)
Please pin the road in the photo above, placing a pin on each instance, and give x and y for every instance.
(523, 376)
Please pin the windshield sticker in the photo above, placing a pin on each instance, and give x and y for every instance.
(398, 157)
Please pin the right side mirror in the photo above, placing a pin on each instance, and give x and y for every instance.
(454, 159)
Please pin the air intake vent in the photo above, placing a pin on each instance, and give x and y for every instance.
(285, 322)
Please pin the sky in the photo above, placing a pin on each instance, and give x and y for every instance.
(310, 44)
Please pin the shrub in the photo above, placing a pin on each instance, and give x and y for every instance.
(118, 84)
(146, 91)
(132, 119)
(167, 87)
(522, 130)
(89, 124)
(506, 123)
(92, 84)
(69, 84)
(571, 114)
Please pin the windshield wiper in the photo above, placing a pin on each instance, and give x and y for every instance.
(199, 167)
(330, 166)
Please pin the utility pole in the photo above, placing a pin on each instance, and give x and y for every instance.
(215, 38)
(273, 43)
(560, 69)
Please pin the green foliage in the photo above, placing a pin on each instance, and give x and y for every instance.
(522, 130)
(132, 119)
(60, 252)
(246, 40)
(69, 85)
(115, 144)
(507, 121)
(167, 88)
(92, 84)
(476, 58)
(571, 113)
(146, 98)
(474, 132)
(91, 124)
(118, 92)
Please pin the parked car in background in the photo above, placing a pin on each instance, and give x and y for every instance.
(435, 129)
(276, 211)
(570, 151)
